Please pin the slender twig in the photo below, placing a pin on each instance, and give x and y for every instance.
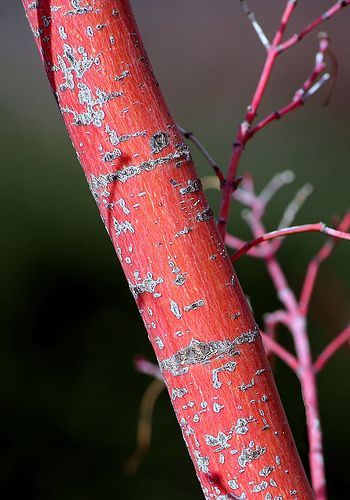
(311, 85)
(297, 37)
(277, 182)
(295, 205)
(236, 243)
(192, 137)
(244, 129)
(332, 347)
(281, 352)
(287, 14)
(142, 365)
(314, 265)
(256, 26)
(144, 428)
(317, 227)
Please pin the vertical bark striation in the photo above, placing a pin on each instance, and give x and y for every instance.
(152, 204)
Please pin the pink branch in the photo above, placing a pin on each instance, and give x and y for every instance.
(332, 347)
(297, 37)
(313, 268)
(305, 371)
(318, 227)
(271, 345)
(236, 243)
(287, 14)
(142, 365)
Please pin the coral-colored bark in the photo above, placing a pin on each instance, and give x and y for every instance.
(163, 231)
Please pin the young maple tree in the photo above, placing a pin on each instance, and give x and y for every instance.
(141, 174)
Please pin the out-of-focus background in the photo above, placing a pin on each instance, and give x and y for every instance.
(69, 327)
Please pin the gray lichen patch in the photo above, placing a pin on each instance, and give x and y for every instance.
(217, 407)
(194, 305)
(159, 141)
(180, 279)
(266, 470)
(249, 454)
(202, 461)
(122, 203)
(70, 63)
(247, 337)
(116, 139)
(62, 33)
(233, 484)
(228, 367)
(94, 113)
(122, 227)
(196, 353)
(260, 487)
(148, 285)
(178, 392)
(245, 387)
(241, 426)
(159, 342)
(110, 156)
(175, 309)
(123, 75)
(221, 441)
(130, 171)
(78, 9)
(192, 186)
(184, 231)
(204, 215)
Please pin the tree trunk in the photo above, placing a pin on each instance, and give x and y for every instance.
(150, 199)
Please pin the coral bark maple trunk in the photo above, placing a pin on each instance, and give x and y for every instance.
(152, 204)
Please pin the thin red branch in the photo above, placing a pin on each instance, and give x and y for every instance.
(244, 129)
(280, 351)
(317, 227)
(331, 349)
(287, 14)
(313, 268)
(245, 132)
(297, 37)
(309, 87)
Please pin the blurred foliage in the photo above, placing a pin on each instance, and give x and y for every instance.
(69, 326)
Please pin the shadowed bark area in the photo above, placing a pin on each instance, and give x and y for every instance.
(155, 212)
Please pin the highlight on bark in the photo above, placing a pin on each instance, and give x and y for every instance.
(141, 175)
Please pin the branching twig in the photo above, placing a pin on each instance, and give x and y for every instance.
(319, 227)
(309, 87)
(313, 268)
(256, 26)
(331, 349)
(297, 37)
(281, 352)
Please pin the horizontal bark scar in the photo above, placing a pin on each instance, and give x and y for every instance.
(197, 352)
(127, 173)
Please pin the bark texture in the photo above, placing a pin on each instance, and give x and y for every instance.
(150, 199)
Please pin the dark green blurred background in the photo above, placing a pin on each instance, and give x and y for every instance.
(69, 326)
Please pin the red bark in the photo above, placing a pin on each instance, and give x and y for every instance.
(150, 199)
